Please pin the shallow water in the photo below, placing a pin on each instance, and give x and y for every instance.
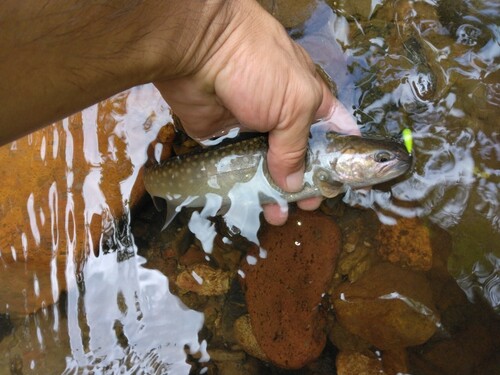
(417, 64)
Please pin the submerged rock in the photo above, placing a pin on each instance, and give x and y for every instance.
(471, 333)
(345, 340)
(390, 363)
(408, 243)
(395, 361)
(244, 335)
(204, 280)
(470, 350)
(388, 306)
(284, 290)
(349, 363)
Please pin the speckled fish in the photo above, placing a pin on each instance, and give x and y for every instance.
(334, 162)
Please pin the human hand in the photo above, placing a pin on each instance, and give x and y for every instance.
(255, 77)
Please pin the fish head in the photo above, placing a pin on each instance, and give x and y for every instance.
(361, 162)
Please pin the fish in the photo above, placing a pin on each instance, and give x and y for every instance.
(334, 163)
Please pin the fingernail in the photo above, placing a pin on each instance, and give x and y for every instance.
(295, 181)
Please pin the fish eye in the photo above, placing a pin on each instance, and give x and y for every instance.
(383, 156)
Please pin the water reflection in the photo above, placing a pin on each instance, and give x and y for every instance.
(438, 76)
(115, 314)
(131, 320)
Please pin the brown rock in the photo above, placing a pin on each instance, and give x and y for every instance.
(165, 138)
(407, 243)
(284, 290)
(388, 306)
(204, 280)
(350, 363)
(362, 9)
(243, 367)
(193, 255)
(469, 349)
(358, 249)
(395, 361)
(491, 366)
(345, 340)
(244, 335)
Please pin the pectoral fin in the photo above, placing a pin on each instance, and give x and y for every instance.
(158, 203)
(171, 213)
(329, 188)
(174, 207)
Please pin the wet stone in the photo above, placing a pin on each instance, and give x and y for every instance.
(469, 349)
(358, 251)
(349, 363)
(395, 361)
(193, 255)
(470, 334)
(284, 291)
(242, 367)
(345, 340)
(245, 337)
(165, 138)
(362, 8)
(388, 306)
(204, 280)
(408, 244)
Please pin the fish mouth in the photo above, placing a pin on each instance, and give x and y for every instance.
(396, 169)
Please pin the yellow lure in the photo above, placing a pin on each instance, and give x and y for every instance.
(408, 140)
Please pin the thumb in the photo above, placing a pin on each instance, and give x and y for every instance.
(285, 157)
(288, 144)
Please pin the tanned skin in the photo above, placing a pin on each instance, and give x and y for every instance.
(217, 63)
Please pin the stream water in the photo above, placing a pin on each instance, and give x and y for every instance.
(431, 66)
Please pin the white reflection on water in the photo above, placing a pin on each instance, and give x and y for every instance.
(156, 324)
(118, 316)
(111, 290)
(90, 139)
(243, 214)
(483, 282)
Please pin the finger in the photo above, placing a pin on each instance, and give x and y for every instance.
(310, 204)
(285, 157)
(335, 115)
(288, 142)
(274, 214)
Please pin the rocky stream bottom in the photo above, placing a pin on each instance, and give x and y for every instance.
(337, 293)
